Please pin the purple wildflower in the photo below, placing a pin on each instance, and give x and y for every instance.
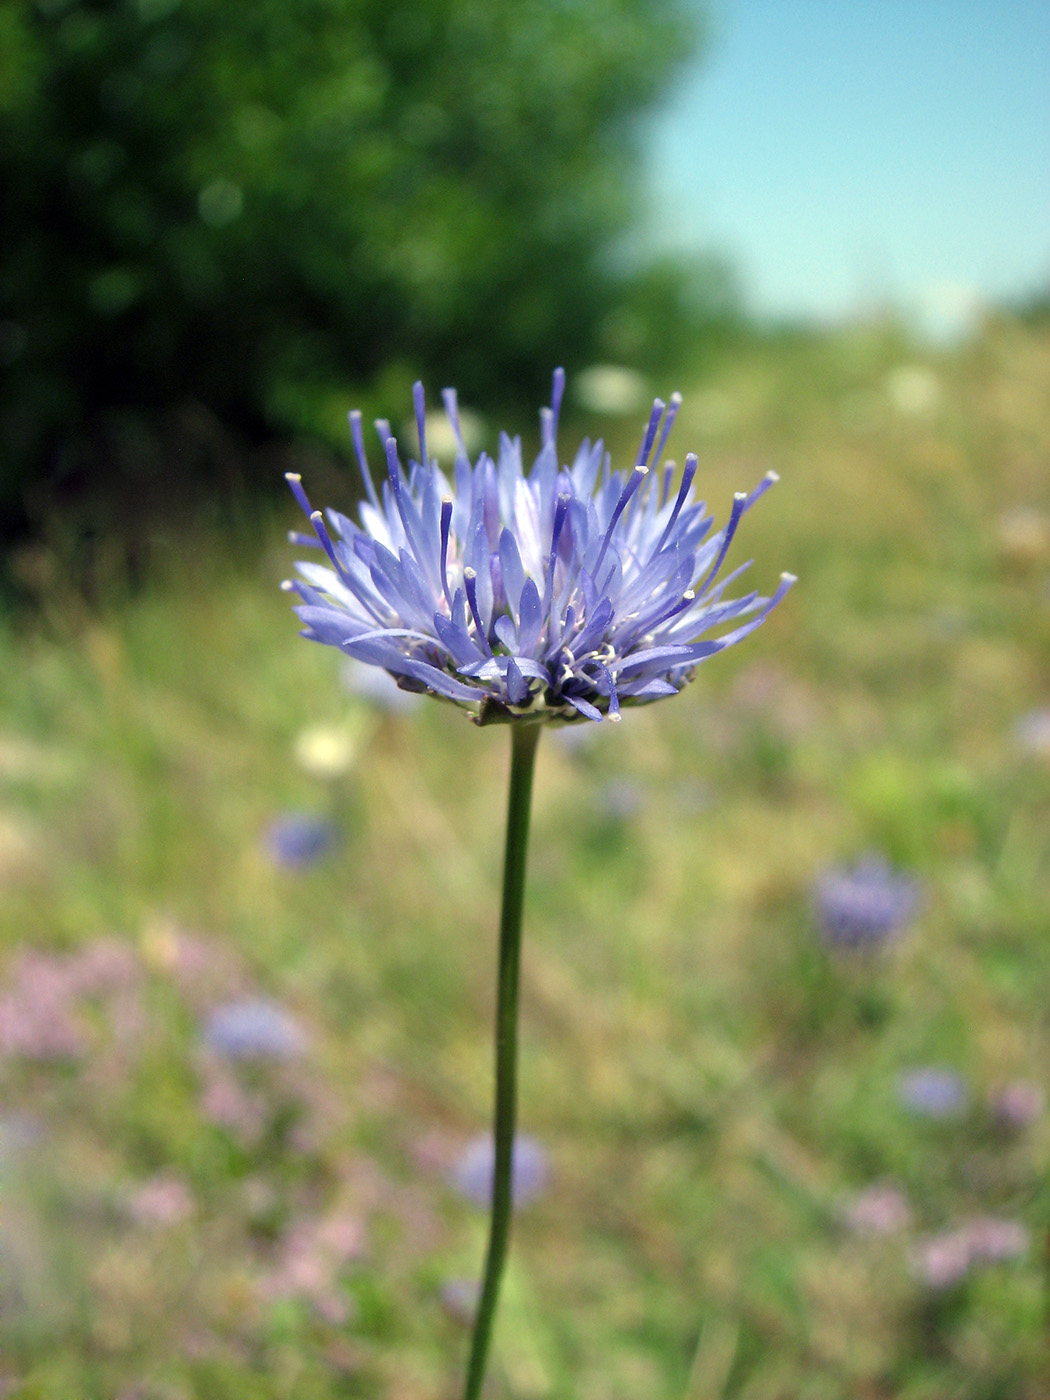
(298, 839)
(253, 1030)
(459, 1297)
(38, 1016)
(933, 1092)
(994, 1240)
(161, 1201)
(864, 905)
(472, 1174)
(882, 1209)
(944, 1260)
(564, 591)
(1015, 1105)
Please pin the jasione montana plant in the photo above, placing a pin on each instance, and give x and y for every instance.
(561, 594)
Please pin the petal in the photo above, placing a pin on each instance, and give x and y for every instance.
(531, 618)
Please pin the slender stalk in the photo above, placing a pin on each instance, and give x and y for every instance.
(524, 739)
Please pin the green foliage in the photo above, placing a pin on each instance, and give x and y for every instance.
(250, 204)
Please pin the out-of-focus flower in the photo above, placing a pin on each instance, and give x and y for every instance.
(994, 1240)
(311, 1258)
(566, 591)
(163, 1200)
(459, 1297)
(864, 905)
(610, 389)
(943, 1260)
(298, 839)
(933, 1092)
(104, 965)
(882, 1209)
(1032, 732)
(38, 1018)
(1015, 1105)
(41, 1011)
(472, 1174)
(253, 1030)
(325, 751)
(913, 390)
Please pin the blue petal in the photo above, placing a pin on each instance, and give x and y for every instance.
(458, 641)
(506, 631)
(330, 625)
(584, 706)
(516, 687)
(531, 618)
(513, 571)
(654, 658)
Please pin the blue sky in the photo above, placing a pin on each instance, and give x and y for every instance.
(846, 153)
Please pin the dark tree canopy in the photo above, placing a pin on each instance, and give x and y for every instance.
(247, 204)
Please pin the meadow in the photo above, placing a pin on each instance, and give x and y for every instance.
(241, 1054)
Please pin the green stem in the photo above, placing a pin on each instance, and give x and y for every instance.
(524, 739)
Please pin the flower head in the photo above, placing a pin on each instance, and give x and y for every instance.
(472, 1175)
(944, 1260)
(1016, 1105)
(299, 839)
(253, 1030)
(563, 591)
(864, 905)
(881, 1209)
(933, 1092)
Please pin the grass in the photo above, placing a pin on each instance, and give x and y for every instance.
(708, 1080)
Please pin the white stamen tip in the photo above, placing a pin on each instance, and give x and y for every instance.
(614, 719)
(772, 476)
(292, 476)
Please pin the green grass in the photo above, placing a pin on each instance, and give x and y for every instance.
(707, 1079)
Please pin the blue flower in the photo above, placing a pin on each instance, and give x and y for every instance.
(933, 1092)
(472, 1174)
(549, 594)
(253, 1030)
(298, 839)
(864, 905)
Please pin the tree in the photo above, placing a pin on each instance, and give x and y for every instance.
(250, 204)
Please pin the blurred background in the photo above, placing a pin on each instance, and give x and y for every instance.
(787, 963)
